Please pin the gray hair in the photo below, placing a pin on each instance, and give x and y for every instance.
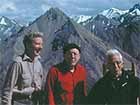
(113, 52)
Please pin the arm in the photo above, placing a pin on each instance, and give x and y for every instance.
(10, 81)
(97, 94)
(138, 98)
(50, 82)
(42, 74)
(82, 99)
(85, 83)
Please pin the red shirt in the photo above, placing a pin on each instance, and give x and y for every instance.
(65, 87)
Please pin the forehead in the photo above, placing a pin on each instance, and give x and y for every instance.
(37, 39)
(115, 57)
(74, 50)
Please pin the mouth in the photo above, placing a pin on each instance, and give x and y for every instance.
(73, 61)
(37, 52)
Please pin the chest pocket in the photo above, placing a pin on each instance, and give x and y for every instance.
(25, 78)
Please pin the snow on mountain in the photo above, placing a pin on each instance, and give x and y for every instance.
(113, 12)
(2, 22)
(8, 27)
(135, 12)
(80, 18)
(109, 13)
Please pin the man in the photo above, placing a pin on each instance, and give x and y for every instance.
(66, 81)
(117, 86)
(24, 77)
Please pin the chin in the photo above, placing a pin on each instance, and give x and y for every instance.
(73, 64)
(36, 54)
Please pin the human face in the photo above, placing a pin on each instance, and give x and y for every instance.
(37, 45)
(115, 65)
(72, 57)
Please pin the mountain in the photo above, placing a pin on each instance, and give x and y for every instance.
(58, 30)
(8, 27)
(80, 18)
(109, 13)
(120, 28)
(135, 10)
(113, 13)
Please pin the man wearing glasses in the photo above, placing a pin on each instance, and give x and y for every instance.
(117, 86)
(66, 81)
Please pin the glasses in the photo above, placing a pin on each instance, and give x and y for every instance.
(116, 62)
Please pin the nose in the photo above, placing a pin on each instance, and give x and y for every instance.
(72, 55)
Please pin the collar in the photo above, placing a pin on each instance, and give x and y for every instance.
(26, 57)
(64, 67)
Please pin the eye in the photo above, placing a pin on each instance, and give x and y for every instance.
(118, 62)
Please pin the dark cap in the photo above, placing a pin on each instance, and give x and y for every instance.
(70, 46)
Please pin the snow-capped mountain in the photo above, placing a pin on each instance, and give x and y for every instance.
(8, 27)
(135, 10)
(109, 13)
(80, 18)
(118, 27)
(113, 12)
(111, 18)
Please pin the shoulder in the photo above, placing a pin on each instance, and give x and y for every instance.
(130, 76)
(16, 62)
(104, 81)
(80, 67)
(52, 73)
(17, 59)
(134, 79)
(99, 86)
(15, 65)
(53, 70)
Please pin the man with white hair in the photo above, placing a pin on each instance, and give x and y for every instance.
(117, 86)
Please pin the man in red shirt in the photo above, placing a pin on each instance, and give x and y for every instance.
(66, 81)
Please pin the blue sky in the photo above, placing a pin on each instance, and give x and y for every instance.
(25, 11)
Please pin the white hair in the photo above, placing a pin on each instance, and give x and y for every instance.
(113, 52)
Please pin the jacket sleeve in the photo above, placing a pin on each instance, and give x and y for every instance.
(50, 82)
(138, 87)
(42, 75)
(10, 81)
(138, 98)
(85, 83)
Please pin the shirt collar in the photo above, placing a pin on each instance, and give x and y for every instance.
(65, 67)
(26, 57)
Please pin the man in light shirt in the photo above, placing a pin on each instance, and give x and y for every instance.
(25, 74)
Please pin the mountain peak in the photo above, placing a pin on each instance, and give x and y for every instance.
(54, 11)
(136, 6)
(135, 10)
(8, 27)
(3, 20)
(112, 12)
(80, 18)
(6, 21)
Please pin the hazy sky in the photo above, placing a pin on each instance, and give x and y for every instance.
(29, 10)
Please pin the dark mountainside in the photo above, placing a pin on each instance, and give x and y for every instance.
(58, 30)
